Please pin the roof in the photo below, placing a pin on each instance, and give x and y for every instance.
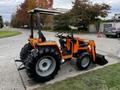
(112, 20)
(46, 11)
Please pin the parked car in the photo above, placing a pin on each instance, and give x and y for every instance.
(112, 32)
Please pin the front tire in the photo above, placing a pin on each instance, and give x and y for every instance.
(44, 65)
(83, 61)
(107, 36)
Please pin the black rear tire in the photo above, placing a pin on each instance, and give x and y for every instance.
(107, 36)
(25, 51)
(118, 36)
(34, 59)
(83, 61)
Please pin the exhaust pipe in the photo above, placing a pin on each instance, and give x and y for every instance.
(100, 59)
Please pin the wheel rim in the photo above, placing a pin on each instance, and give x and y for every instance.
(45, 66)
(85, 62)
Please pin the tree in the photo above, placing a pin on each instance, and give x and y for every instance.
(83, 13)
(1, 22)
(62, 22)
(86, 11)
(21, 18)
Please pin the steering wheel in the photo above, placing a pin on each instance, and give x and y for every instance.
(70, 35)
(59, 35)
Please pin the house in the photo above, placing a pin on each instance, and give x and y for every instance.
(109, 24)
(114, 22)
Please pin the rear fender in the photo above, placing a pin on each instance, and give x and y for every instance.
(51, 44)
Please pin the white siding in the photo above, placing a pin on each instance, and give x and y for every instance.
(92, 27)
(114, 24)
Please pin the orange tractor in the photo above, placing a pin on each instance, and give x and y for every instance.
(42, 59)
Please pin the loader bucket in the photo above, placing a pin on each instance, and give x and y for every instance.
(100, 59)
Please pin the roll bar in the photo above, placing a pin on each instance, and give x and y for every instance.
(46, 11)
(39, 11)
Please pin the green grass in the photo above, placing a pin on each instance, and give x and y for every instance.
(107, 78)
(4, 34)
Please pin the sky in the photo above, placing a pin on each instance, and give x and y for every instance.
(7, 7)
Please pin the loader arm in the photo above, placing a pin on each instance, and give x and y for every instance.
(93, 52)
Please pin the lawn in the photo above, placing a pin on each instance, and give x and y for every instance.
(6, 33)
(107, 78)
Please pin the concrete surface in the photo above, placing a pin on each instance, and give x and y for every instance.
(9, 76)
(11, 79)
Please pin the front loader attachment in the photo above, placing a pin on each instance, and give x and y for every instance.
(100, 59)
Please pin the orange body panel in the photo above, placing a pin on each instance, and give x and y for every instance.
(89, 48)
(92, 45)
(47, 43)
(34, 41)
(76, 47)
(73, 47)
(68, 44)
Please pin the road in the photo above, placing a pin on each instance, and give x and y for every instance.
(9, 51)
